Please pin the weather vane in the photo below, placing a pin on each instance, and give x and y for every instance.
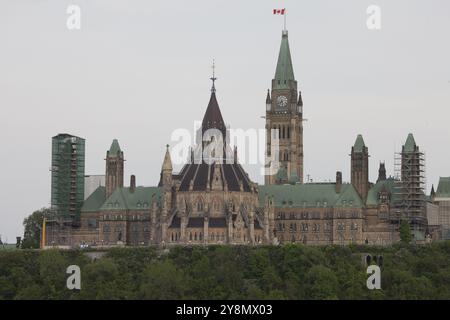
(213, 79)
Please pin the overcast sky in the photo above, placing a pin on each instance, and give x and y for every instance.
(138, 69)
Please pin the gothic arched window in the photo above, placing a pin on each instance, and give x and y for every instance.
(199, 205)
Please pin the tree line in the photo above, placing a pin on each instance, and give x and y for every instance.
(292, 271)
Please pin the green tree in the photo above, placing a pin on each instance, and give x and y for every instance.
(405, 232)
(102, 280)
(32, 228)
(321, 283)
(163, 281)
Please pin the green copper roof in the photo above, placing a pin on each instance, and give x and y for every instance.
(125, 199)
(443, 189)
(115, 148)
(293, 177)
(372, 195)
(284, 71)
(282, 173)
(311, 195)
(95, 200)
(359, 144)
(410, 144)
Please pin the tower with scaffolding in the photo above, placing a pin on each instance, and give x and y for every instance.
(67, 184)
(409, 189)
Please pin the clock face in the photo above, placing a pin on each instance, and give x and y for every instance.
(282, 101)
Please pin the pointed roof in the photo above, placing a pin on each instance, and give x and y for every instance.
(359, 144)
(268, 100)
(410, 144)
(432, 193)
(115, 148)
(284, 71)
(95, 200)
(443, 189)
(167, 163)
(387, 185)
(213, 116)
(382, 172)
(300, 100)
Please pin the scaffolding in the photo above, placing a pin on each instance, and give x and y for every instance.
(409, 191)
(58, 229)
(67, 170)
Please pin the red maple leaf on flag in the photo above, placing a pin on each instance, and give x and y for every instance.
(279, 11)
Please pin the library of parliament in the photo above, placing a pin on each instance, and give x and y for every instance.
(216, 202)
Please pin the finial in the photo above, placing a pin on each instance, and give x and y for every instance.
(213, 79)
(167, 146)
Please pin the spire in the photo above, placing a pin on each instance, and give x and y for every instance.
(167, 164)
(213, 78)
(300, 100)
(114, 149)
(432, 193)
(284, 72)
(359, 144)
(213, 117)
(410, 144)
(268, 100)
(382, 172)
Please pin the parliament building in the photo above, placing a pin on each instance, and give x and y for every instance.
(214, 200)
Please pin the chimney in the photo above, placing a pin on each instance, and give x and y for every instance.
(338, 181)
(132, 183)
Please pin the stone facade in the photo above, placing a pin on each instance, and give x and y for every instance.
(212, 200)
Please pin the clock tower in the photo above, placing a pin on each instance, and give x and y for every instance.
(284, 118)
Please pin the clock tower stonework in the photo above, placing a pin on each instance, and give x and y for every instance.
(284, 119)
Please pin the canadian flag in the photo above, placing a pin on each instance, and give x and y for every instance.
(279, 11)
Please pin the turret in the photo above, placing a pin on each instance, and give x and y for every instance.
(360, 167)
(268, 101)
(381, 172)
(114, 168)
(166, 171)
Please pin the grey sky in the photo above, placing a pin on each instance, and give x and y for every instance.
(139, 69)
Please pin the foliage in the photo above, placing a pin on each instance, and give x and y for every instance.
(405, 232)
(32, 228)
(229, 272)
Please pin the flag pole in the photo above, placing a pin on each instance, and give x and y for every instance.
(285, 14)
